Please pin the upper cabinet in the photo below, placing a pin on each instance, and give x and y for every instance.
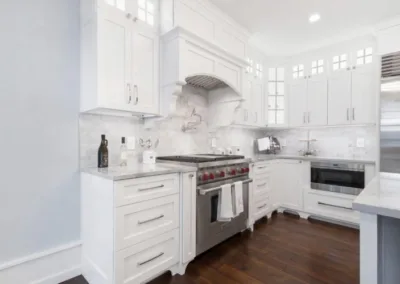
(120, 57)
(353, 88)
(308, 94)
(275, 99)
(206, 21)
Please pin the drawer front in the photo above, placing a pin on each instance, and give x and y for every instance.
(139, 263)
(261, 187)
(262, 168)
(261, 208)
(147, 188)
(332, 207)
(138, 222)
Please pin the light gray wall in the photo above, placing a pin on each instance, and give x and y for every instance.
(39, 104)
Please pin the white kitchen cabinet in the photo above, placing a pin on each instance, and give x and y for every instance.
(275, 102)
(298, 103)
(188, 201)
(339, 98)
(119, 57)
(308, 100)
(292, 179)
(353, 89)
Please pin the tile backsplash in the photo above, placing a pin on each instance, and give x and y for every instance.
(332, 141)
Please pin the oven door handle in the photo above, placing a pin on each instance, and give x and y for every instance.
(205, 191)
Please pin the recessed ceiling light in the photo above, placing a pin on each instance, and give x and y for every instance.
(314, 18)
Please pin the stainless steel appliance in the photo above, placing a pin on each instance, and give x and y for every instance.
(390, 114)
(347, 178)
(213, 172)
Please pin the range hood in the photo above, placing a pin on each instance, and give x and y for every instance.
(189, 60)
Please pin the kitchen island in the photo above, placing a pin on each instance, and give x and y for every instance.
(379, 206)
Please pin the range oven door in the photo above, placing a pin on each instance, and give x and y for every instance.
(341, 178)
(210, 232)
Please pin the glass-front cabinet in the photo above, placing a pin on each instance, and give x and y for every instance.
(276, 96)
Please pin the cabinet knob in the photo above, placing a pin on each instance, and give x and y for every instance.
(354, 67)
(128, 15)
(348, 68)
(191, 176)
(135, 19)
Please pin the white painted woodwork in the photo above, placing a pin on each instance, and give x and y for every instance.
(261, 187)
(261, 208)
(128, 222)
(119, 60)
(146, 188)
(208, 22)
(188, 206)
(143, 261)
(185, 54)
(389, 39)
(317, 100)
(329, 206)
(339, 98)
(298, 103)
(138, 222)
(292, 181)
(363, 94)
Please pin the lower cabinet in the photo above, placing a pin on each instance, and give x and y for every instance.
(132, 231)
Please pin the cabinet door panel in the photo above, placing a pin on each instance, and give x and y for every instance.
(257, 101)
(189, 216)
(292, 191)
(145, 74)
(317, 100)
(113, 55)
(339, 98)
(298, 103)
(363, 95)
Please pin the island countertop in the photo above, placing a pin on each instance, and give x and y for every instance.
(381, 196)
(138, 170)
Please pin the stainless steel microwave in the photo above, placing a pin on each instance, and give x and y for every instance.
(346, 178)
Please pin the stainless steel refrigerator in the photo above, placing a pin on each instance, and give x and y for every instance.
(390, 114)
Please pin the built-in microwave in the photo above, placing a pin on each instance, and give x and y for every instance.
(346, 178)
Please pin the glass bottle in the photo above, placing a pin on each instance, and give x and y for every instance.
(123, 153)
(102, 153)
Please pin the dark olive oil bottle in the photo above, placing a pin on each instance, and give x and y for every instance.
(102, 153)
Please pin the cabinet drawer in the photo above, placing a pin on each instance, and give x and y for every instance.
(139, 263)
(147, 188)
(138, 222)
(261, 187)
(261, 208)
(262, 168)
(331, 207)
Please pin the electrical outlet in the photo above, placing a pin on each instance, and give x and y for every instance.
(360, 142)
(131, 143)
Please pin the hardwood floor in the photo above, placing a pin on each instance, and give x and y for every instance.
(285, 249)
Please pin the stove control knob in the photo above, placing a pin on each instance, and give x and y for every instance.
(222, 174)
(233, 172)
(212, 176)
(205, 177)
(243, 170)
(247, 170)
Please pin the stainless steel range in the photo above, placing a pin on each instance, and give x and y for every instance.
(213, 171)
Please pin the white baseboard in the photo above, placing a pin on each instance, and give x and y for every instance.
(48, 267)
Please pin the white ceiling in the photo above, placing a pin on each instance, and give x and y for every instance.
(282, 27)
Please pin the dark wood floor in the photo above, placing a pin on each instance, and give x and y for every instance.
(283, 250)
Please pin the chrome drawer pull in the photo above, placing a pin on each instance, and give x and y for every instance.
(262, 206)
(151, 259)
(336, 206)
(150, 220)
(260, 185)
(262, 167)
(150, 188)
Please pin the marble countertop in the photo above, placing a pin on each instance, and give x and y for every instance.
(261, 158)
(381, 196)
(137, 171)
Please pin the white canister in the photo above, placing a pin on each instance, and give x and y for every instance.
(149, 157)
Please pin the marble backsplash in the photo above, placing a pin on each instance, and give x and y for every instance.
(338, 142)
(173, 141)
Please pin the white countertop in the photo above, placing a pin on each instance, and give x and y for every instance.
(261, 158)
(381, 196)
(137, 171)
